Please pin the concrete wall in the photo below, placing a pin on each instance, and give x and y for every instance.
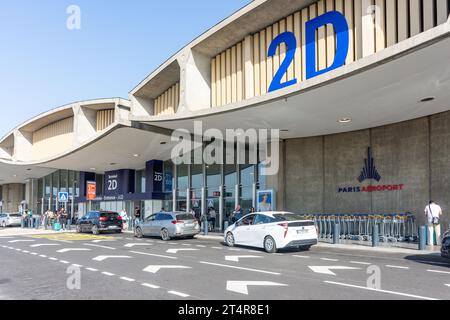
(12, 196)
(414, 153)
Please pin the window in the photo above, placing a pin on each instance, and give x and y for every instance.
(262, 219)
(288, 217)
(248, 220)
(151, 218)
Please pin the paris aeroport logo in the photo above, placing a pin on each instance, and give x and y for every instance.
(370, 173)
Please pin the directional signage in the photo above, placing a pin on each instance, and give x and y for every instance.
(155, 269)
(327, 269)
(63, 197)
(242, 286)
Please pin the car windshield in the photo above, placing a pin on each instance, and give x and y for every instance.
(185, 216)
(288, 217)
(15, 215)
(109, 215)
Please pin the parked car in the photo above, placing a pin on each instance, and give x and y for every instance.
(10, 219)
(99, 221)
(168, 225)
(445, 249)
(272, 231)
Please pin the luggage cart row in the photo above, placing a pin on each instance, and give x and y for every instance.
(392, 227)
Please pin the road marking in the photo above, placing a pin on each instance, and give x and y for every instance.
(131, 245)
(106, 240)
(92, 269)
(218, 248)
(73, 249)
(34, 253)
(240, 268)
(297, 256)
(65, 262)
(44, 245)
(108, 274)
(327, 259)
(153, 255)
(42, 256)
(200, 246)
(53, 259)
(448, 285)
(327, 269)
(102, 258)
(176, 250)
(99, 246)
(15, 241)
(18, 249)
(396, 267)
(437, 271)
(77, 265)
(233, 249)
(186, 244)
(129, 238)
(150, 285)
(25, 251)
(242, 286)
(180, 294)
(363, 263)
(236, 258)
(379, 290)
(127, 279)
(155, 269)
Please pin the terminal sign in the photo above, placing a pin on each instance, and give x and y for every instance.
(334, 18)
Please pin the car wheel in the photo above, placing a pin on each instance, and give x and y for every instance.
(118, 231)
(78, 229)
(270, 245)
(4, 224)
(229, 239)
(138, 233)
(165, 235)
(95, 230)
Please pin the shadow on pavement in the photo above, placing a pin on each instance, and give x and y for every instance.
(430, 259)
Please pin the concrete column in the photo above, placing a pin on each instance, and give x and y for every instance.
(12, 195)
(31, 194)
(142, 107)
(195, 81)
(23, 146)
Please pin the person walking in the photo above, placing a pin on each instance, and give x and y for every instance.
(433, 213)
(212, 217)
(124, 216)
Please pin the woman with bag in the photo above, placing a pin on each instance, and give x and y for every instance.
(433, 213)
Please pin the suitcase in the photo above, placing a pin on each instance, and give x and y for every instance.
(57, 226)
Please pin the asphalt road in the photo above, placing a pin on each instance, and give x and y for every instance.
(121, 267)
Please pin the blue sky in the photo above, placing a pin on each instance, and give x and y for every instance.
(44, 65)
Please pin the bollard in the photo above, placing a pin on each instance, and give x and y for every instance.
(206, 225)
(375, 236)
(336, 234)
(422, 238)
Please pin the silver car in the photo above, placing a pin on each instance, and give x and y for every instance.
(168, 225)
(10, 219)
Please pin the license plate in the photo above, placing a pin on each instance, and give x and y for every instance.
(112, 227)
(189, 225)
(302, 231)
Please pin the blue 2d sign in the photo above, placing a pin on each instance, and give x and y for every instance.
(338, 21)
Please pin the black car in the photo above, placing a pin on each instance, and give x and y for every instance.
(445, 249)
(98, 221)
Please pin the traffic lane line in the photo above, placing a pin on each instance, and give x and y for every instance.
(438, 271)
(239, 268)
(381, 291)
(396, 267)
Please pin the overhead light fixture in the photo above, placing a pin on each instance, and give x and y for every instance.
(163, 143)
(284, 130)
(136, 155)
(15, 175)
(427, 99)
(113, 163)
(345, 120)
(93, 169)
(28, 169)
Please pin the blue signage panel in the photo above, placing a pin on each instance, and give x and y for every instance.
(63, 197)
(154, 178)
(118, 183)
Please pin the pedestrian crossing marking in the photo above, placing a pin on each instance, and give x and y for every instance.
(72, 237)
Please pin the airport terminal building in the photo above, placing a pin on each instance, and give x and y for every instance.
(359, 89)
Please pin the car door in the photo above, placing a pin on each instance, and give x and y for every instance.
(147, 225)
(243, 233)
(90, 221)
(261, 228)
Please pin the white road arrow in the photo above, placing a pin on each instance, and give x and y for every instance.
(14, 241)
(236, 258)
(102, 258)
(131, 245)
(155, 269)
(327, 269)
(97, 241)
(44, 245)
(176, 250)
(242, 286)
(73, 249)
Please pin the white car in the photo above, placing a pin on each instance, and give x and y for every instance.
(10, 219)
(272, 231)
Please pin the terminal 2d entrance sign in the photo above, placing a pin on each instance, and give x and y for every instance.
(338, 21)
